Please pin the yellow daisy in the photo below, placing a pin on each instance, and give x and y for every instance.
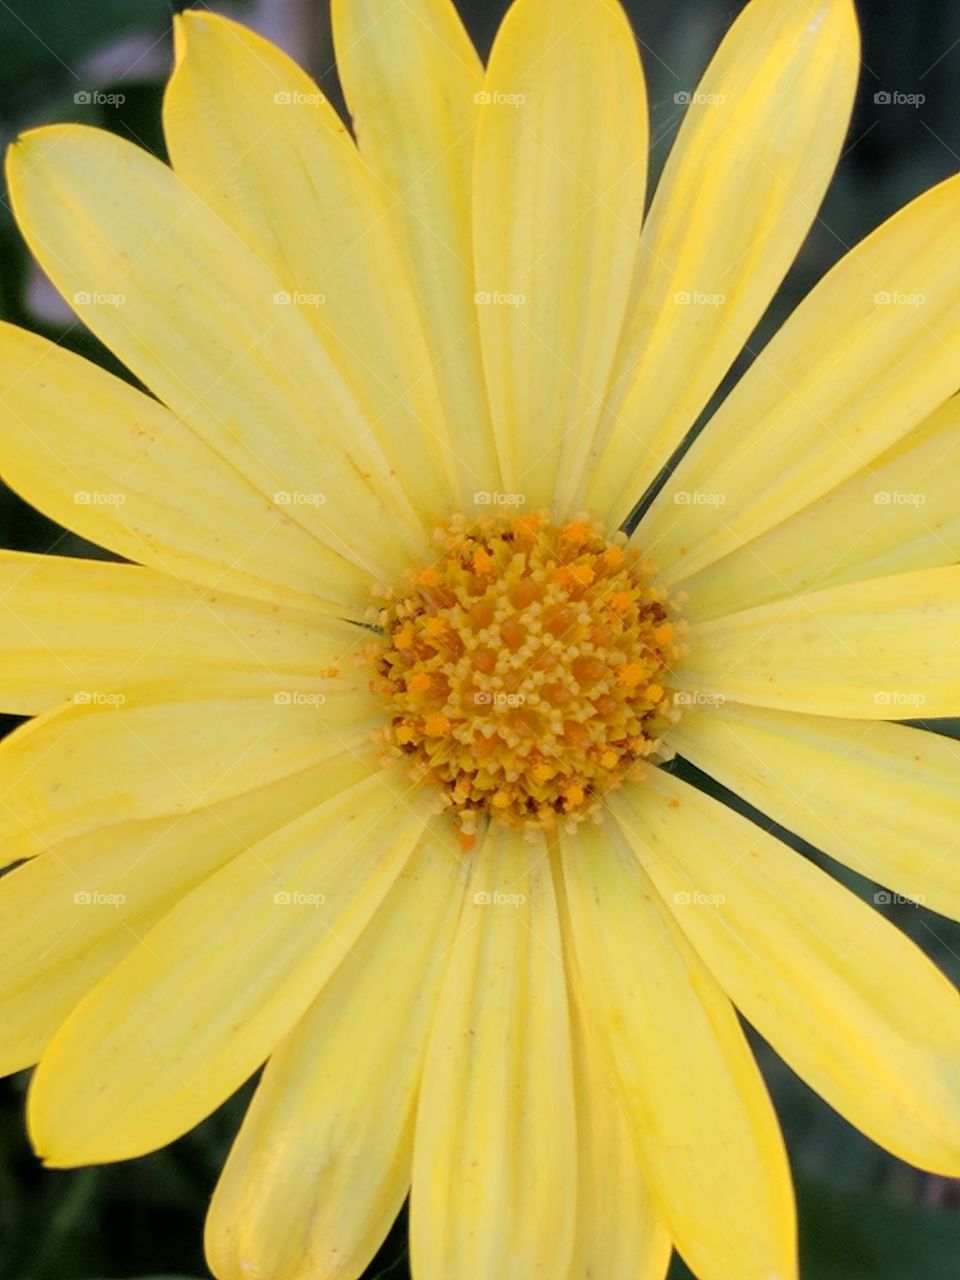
(356, 771)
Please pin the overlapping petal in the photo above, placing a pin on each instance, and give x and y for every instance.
(884, 649)
(703, 1123)
(212, 989)
(897, 514)
(68, 918)
(881, 798)
(181, 750)
(854, 1006)
(192, 311)
(758, 145)
(559, 186)
(114, 465)
(412, 80)
(866, 356)
(74, 629)
(495, 1160)
(254, 137)
(322, 1162)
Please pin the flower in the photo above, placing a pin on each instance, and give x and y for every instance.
(357, 770)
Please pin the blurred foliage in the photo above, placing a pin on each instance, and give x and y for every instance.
(863, 1215)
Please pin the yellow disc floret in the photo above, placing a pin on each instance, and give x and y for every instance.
(523, 671)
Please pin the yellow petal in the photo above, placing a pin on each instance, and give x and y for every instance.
(558, 199)
(95, 454)
(411, 76)
(494, 1172)
(844, 997)
(322, 1163)
(77, 628)
(702, 1120)
(897, 514)
(620, 1234)
(867, 355)
(146, 753)
(200, 320)
(254, 137)
(881, 798)
(885, 649)
(211, 990)
(742, 185)
(66, 919)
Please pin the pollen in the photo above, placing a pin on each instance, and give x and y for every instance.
(524, 670)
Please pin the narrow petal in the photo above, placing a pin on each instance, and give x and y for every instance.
(178, 753)
(844, 997)
(755, 153)
(620, 1233)
(68, 918)
(411, 79)
(190, 310)
(897, 514)
(494, 1173)
(208, 994)
(70, 629)
(322, 1163)
(254, 137)
(867, 355)
(114, 465)
(881, 798)
(703, 1122)
(558, 199)
(885, 649)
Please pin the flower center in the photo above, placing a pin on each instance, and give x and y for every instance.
(522, 670)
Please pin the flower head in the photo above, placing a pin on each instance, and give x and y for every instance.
(361, 769)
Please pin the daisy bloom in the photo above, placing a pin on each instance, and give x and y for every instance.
(355, 767)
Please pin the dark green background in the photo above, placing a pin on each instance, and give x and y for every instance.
(864, 1216)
